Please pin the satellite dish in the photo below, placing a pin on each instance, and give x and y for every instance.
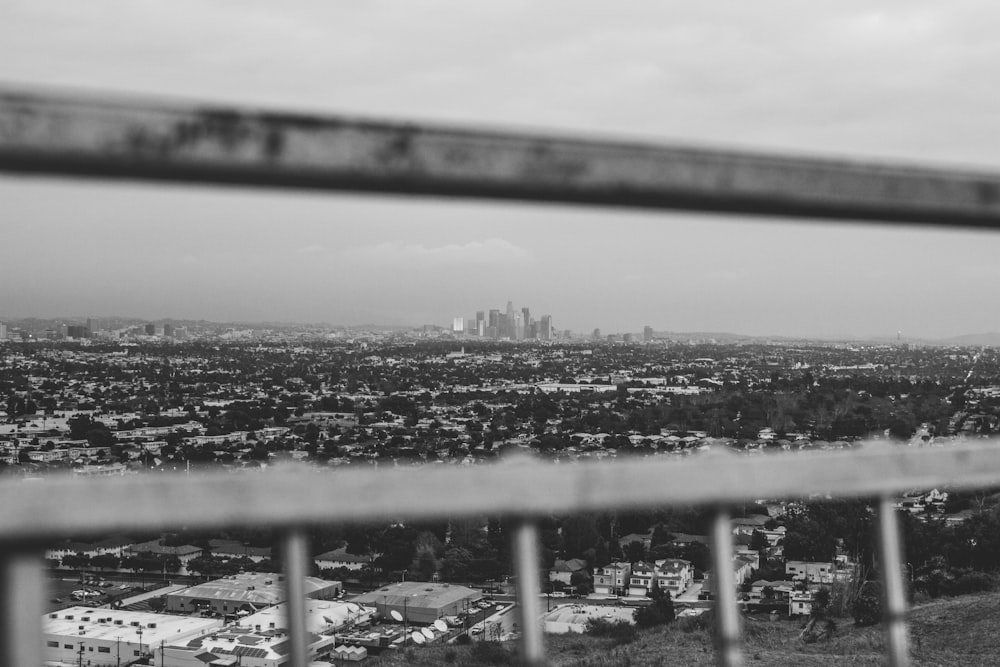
(441, 625)
(417, 638)
(396, 616)
(353, 608)
(428, 633)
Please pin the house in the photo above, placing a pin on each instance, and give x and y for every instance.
(763, 590)
(819, 573)
(774, 535)
(341, 558)
(674, 575)
(641, 579)
(742, 571)
(563, 570)
(747, 524)
(800, 603)
(645, 539)
(612, 579)
(686, 540)
(670, 575)
(185, 552)
(228, 550)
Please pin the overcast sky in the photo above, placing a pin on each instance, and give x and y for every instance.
(910, 80)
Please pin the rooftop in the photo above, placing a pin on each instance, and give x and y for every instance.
(110, 624)
(418, 593)
(254, 587)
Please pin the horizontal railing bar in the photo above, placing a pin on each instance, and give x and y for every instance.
(158, 141)
(54, 508)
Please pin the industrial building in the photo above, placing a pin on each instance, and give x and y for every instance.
(102, 637)
(420, 601)
(244, 593)
(261, 639)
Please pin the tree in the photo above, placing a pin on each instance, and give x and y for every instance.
(867, 606)
(77, 561)
(660, 612)
(105, 561)
(635, 551)
(424, 565)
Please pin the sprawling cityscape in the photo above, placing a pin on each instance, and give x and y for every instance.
(101, 398)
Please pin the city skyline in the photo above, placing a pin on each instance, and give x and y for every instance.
(845, 80)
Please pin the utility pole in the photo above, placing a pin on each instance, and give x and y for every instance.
(79, 659)
(118, 649)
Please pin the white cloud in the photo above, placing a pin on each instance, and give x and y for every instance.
(490, 251)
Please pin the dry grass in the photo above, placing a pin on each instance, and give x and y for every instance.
(958, 631)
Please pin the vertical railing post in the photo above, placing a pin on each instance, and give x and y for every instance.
(526, 565)
(728, 652)
(890, 561)
(22, 589)
(294, 551)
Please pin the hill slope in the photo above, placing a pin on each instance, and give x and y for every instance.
(956, 631)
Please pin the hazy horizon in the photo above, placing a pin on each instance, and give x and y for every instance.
(898, 82)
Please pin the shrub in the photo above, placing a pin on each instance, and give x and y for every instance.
(867, 606)
(450, 656)
(972, 582)
(622, 632)
(491, 653)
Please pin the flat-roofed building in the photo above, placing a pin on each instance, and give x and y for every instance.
(239, 647)
(247, 592)
(322, 616)
(420, 601)
(261, 639)
(112, 636)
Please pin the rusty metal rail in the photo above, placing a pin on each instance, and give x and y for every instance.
(157, 141)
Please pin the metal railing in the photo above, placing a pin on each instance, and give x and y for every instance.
(49, 135)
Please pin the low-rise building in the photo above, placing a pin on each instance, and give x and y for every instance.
(340, 558)
(84, 635)
(420, 601)
(562, 571)
(800, 603)
(244, 593)
(612, 579)
(813, 572)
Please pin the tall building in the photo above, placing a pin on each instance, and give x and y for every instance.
(458, 325)
(545, 328)
(3, 333)
(596, 335)
(493, 328)
(150, 329)
(647, 334)
(480, 323)
(77, 331)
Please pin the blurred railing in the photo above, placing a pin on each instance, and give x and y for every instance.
(49, 135)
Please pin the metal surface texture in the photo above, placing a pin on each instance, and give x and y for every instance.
(22, 585)
(728, 652)
(296, 495)
(527, 560)
(161, 141)
(891, 562)
(295, 553)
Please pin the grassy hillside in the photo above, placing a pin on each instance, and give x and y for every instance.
(957, 631)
